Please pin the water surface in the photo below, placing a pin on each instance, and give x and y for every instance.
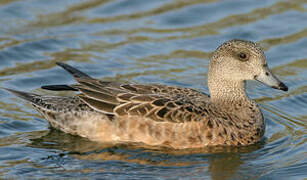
(161, 41)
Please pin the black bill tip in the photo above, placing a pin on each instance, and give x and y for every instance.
(281, 86)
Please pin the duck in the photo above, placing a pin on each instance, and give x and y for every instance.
(164, 115)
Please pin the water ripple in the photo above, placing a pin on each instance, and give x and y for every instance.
(167, 42)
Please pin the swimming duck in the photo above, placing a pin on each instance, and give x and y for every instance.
(162, 115)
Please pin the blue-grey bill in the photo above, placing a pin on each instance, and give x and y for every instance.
(269, 79)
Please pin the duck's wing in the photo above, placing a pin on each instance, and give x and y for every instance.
(139, 100)
(157, 102)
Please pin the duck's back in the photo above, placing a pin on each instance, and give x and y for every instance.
(101, 104)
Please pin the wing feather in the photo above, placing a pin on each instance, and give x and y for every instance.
(100, 106)
(100, 96)
(158, 102)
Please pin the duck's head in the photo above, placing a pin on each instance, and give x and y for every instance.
(240, 60)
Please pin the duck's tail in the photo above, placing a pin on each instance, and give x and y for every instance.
(77, 74)
(63, 113)
(61, 87)
(73, 71)
(31, 97)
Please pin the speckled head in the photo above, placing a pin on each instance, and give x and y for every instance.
(240, 60)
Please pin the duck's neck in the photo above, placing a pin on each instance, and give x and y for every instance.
(227, 91)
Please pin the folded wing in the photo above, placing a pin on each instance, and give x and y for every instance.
(157, 102)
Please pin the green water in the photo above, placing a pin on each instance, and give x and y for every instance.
(158, 41)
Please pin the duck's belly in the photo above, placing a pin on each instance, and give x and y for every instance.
(98, 127)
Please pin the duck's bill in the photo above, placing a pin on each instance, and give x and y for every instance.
(269, 79)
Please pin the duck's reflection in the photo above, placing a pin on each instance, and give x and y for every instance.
(220, 162)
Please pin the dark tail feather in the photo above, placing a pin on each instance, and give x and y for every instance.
(73, 71)
(59, 88)
(24, 95)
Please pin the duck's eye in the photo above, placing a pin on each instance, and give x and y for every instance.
(243, 56)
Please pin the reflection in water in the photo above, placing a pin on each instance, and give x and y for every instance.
(220, 168)
(223, 162)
